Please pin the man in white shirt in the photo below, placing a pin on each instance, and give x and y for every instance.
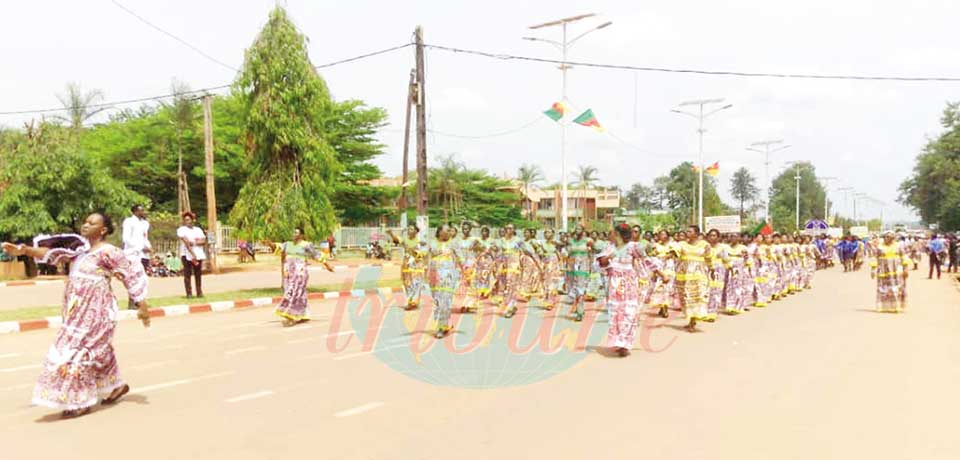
(136, 241)
(192, 254)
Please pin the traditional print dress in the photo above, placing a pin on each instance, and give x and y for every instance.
(692, 282)
(531, 279)
(663, 288)
(889, 264)
(80, 367)
(645, 269)
(766, 275)
(483, 273)
(578, 268)
(466, 247)
(623, 293)
(296, 276)
(734, 293)
(510, 250)
(596, 282)
(414, 269)
(717, 275)
(552, 276)
(781, 281)
(444, 278)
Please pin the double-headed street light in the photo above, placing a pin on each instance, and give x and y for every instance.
(564, 46)
(700, 116)
(767, 147)
(826, 202)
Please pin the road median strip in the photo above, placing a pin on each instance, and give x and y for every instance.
(9, 327)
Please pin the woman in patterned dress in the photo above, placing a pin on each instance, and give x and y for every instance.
(665, 283)
(510, 248)
(717, 274)
(294, 308)
(484, 275)
(597, 278)
(80, 369)
(531, 279)
(413, 269)
(890, 268)
(767, 279)
(643, 265)
(578, 270)
(552, 277)
(623, 296)
(500, 262)
(733, 286)
(751, 264)
(467, 245)
(445, 267)
(692, 282)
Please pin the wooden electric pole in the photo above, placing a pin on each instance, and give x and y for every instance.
(411, 97)
(421, 129)
(212, 224)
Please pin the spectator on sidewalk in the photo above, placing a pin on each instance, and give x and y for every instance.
(136, 240)
(937, 249)
(192, 241)
(174, 264)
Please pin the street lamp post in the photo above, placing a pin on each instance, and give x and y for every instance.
(767, 150)
(796, 176)
(564, 46)
(700, 116)
(826, 202)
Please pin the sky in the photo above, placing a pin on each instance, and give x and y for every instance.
(865, 133)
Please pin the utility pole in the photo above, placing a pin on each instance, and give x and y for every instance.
(421, 129)
(411, 98)
(766, 163)
(826, 201)
(564, 46)
(700, 116)
(797, 177)
(212, 224)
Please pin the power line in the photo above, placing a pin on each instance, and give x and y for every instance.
(182, 41)
(202, 90)
(508, 57)
(491, 135)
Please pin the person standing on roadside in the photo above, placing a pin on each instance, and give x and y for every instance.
(192, 241)
(936, 248)
(136, 241)
(952, 254)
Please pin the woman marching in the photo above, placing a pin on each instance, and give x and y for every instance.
(767, 279)
(692, 283)
(578, 270)
(294, 308)
(483, 273)
(510, 248)
(664, 286)
(643, 265)
(413, 269)
(531, 279)
(618, 259)
(81, 369)
(445, 265)
(597, 279)
(717, 274)
(890, 268)
(734, 285)
(550, 263)
(468, 246)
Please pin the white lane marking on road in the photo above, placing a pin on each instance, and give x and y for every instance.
(359, 409)
(365, 353)
(17, 387)
(298, 328)
(237, 337)
(259, 394)
(174, 383)
(20, 368)
(9, 355)
(144, 367)
(245, 350)
(313, 339)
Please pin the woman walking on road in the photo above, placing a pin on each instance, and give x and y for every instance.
(889, 268)
(665, 283)
(294, 308)
(81, 369)
(692, 278)
(414, 265)
(446, 265)
(623, 295)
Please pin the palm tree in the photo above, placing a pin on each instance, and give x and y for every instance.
(527, 175)
(743, 187)
(77, 105)
(447, 185)
(585, 176)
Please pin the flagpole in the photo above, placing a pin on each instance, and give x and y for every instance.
(700, 117)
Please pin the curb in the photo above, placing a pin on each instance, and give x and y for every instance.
(60, 281)
(50, 322)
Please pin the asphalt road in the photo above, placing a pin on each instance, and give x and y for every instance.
(819, 375)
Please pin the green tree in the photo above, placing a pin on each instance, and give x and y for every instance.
(783, 195)
(933, 189)
(743, 187)
(681, 191)
(643, 197)
(527, 175)
(78, 106)
(183, 118)
(48, 185)
(293, 169)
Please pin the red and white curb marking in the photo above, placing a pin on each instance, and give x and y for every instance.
(60, 281)
(50, 322)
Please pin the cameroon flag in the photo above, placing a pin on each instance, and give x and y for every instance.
(713, 169)
(556, 111)
(590, 120)
(762, 228)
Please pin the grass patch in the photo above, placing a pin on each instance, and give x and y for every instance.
(23, 314)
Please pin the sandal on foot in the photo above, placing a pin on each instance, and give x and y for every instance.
(116, 395)
(75, 413)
